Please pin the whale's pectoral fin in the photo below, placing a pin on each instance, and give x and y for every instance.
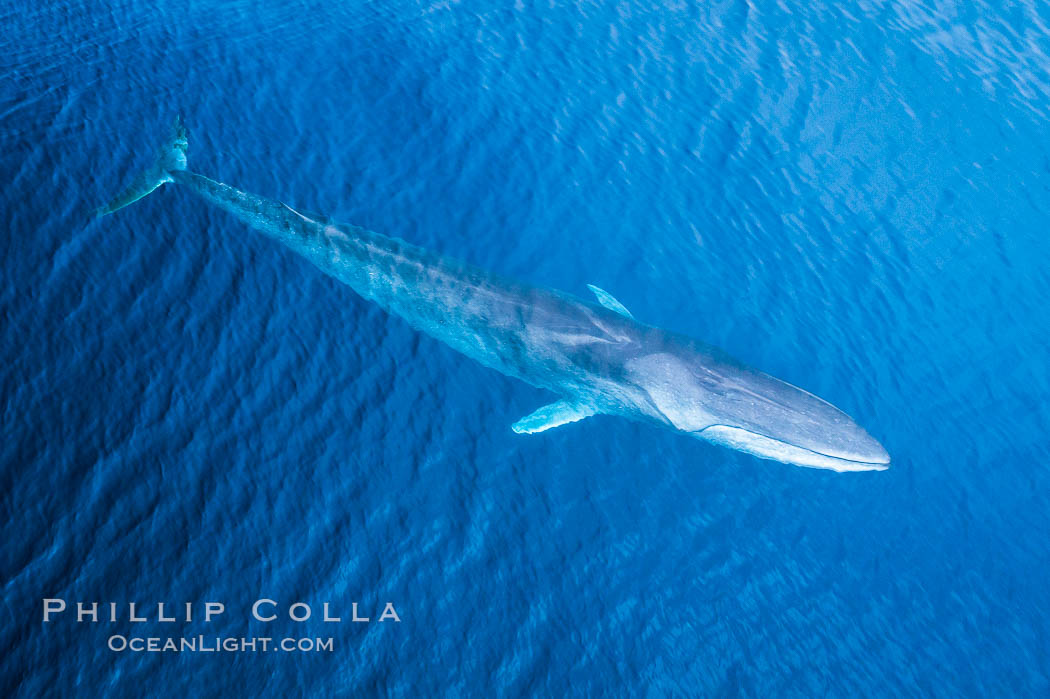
(606, 299)
(560, 413)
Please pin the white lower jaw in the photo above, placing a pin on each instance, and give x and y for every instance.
(767, 448)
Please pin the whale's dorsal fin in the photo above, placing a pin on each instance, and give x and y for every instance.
(559, 413)
(606, 299)
(308, 215)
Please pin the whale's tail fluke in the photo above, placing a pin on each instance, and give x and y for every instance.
(172, 156)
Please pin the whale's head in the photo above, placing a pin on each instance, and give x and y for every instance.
(713, 398)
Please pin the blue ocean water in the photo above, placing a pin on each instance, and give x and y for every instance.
(852, 197)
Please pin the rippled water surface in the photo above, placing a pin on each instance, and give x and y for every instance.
(853, 197)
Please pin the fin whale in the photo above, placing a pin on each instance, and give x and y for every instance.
(596, 357)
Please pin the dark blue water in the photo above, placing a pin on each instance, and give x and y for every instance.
(854, 198)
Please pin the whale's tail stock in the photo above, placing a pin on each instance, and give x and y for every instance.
(172, 156)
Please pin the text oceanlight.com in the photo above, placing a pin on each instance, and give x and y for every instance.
(217, 644)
